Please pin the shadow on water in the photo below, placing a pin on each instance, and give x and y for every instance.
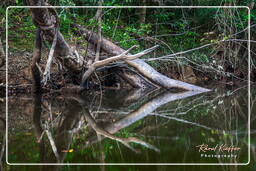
(134, 126)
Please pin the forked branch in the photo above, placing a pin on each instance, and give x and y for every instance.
(124, 56)
(101, 131)
(124, 141)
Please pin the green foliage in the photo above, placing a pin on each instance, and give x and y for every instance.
(200, 57)
(175, 30)
(162, 17)
(20, 38)
(67, 3)
(19, 2)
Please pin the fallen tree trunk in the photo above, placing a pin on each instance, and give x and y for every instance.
(141, 66)
(47, 21)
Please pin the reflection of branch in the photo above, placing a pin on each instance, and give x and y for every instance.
(205, 102)
(183, 121)
(145, 110)
(124, 141)
(148, 108)
(200, 125)
(52, 142)
(136, 95)
(63, 136)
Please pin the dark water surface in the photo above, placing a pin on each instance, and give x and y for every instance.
(133, 126)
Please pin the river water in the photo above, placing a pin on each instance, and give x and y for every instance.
(132, 126)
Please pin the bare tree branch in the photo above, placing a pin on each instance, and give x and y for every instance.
(122, 57)
(47, 70)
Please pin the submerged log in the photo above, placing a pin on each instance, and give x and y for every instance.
(142, 67)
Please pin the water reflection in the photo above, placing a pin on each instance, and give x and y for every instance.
(78, 114)
(130, 127)
(3, 137)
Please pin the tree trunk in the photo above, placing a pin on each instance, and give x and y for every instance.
(43, 18)
(35, 63)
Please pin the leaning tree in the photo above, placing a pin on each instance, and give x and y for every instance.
(139, 74)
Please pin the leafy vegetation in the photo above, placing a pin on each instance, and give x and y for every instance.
(175, 30)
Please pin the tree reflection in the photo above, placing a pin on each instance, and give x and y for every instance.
(79, 115)
(64, 123)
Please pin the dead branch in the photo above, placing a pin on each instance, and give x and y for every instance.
(98, 16)
(142, 67)
(47, 71)
(122, 57)
(99, 10)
